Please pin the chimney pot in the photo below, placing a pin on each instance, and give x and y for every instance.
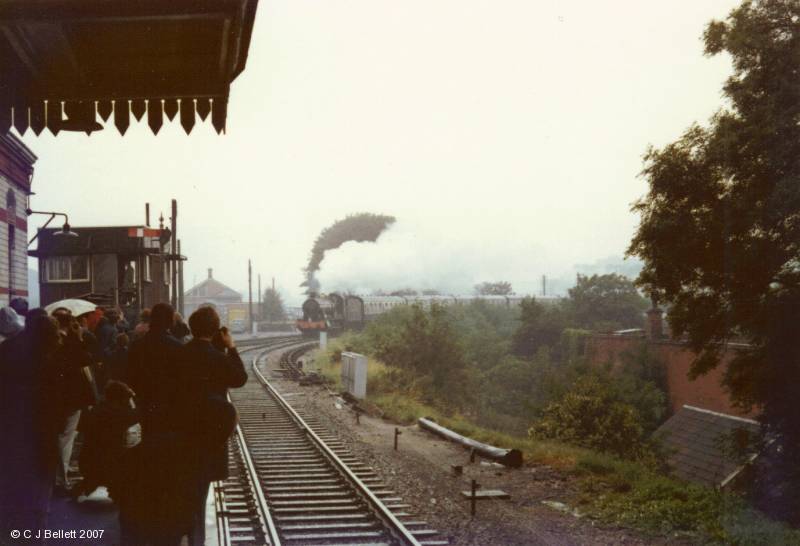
(655, 324)
(210, 271)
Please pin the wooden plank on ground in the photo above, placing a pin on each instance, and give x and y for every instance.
(482, 494)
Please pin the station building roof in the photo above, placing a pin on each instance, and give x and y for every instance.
(63, 62)
(212, 289)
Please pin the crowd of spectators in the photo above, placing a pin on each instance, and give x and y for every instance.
(149, 403)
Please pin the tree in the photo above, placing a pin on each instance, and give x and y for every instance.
(539, 327)
(403, 292)
(606, 302)
(500, 288)
(423, 345)
(272, 306)
(720, 226)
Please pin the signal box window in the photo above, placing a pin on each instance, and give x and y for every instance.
(67, 269)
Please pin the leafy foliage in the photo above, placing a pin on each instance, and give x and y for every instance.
(720, 225)
(641, 381)
(272, 308)
(425, 349)
(500, 288)
(593, 416)
(606, 302)
(489, 393)
(541, 326)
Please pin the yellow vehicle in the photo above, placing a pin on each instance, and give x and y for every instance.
(237, 320)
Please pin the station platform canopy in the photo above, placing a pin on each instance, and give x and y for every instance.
(72, 64)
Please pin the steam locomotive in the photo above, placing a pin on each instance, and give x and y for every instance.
(336, 312)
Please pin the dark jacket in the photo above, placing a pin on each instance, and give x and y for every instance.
(105, 429)
(32, 405)
(106, 336)
(74, 358)
(208, 372)
(117, 364)
(153, 374)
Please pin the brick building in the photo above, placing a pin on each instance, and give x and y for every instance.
(696, 437)
(211, 292)
(16, 172)
(704, 392)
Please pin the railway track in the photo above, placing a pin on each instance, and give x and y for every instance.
(294, 482)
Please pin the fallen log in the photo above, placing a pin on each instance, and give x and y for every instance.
(507, 457)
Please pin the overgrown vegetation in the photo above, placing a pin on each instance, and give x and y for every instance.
(720, 227)
(465, 366)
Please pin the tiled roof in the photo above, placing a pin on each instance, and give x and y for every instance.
(696, 443)
(212, 289)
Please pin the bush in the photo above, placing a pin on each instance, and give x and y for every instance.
(591, 415)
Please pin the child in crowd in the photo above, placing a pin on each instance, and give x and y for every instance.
(117, 360)
(105, 429)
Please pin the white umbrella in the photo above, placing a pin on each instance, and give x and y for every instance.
(75, 306)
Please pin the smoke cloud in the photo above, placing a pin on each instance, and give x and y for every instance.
(425, 256)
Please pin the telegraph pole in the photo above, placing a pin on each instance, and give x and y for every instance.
(260, 308)
(174, 252)
(250, 290)
(180, 280)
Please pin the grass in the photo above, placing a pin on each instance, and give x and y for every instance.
(611, 490)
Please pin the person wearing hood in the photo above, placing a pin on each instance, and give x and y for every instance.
(10, 324)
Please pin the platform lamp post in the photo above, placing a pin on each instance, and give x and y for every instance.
(65, 229)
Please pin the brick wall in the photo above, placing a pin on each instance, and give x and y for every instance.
(704, 392)
(15, 284)
(16, 169)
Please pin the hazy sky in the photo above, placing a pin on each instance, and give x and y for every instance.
(505, 136)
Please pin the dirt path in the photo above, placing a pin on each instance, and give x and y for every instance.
(420, 471)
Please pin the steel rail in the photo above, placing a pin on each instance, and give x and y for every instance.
(268, 525)
(223, 525)
(261, 500)
(393, 525)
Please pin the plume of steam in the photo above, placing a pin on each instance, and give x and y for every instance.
(425, 257)
(358, 227)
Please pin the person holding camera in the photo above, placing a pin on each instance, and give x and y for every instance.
(210, 365)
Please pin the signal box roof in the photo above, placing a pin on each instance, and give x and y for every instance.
(100, 240)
